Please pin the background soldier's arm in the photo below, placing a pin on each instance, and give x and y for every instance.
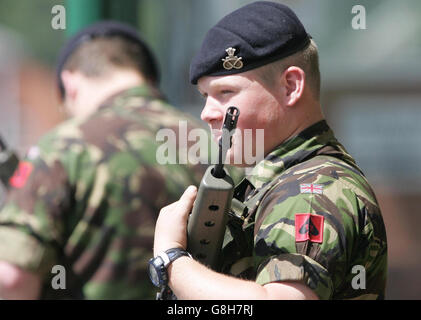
(30, 224)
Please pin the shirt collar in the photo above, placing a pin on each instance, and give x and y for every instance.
(144, 91)
(297, 149)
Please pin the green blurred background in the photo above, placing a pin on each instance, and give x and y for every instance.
(371, 87)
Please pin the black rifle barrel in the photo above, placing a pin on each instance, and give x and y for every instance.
(225, 142)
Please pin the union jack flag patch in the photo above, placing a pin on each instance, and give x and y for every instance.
(311, 188)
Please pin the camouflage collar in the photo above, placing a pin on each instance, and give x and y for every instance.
(307, 144)
(141, 91)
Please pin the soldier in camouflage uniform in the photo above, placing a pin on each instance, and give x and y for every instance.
(306, 223)
(87, 196)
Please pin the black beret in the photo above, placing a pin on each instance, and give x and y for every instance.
(250, 37)
(105, 29)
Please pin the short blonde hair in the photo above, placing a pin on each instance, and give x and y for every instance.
(306, 59)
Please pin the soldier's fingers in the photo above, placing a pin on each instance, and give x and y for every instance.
(169, 207)
(185, 204)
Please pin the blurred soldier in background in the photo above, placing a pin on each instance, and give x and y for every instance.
(87, 196)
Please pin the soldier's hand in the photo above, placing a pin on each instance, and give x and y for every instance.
(171, 226)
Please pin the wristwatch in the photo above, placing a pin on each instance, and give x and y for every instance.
(158, 265)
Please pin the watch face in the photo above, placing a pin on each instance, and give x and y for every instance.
(156, 268)
(153, 275)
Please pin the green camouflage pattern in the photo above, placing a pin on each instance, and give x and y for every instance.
(263, 246)
(93, 196)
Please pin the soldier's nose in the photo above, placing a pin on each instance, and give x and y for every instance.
(212, 114)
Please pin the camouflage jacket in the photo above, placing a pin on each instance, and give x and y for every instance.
(88, 195)
(311, 217)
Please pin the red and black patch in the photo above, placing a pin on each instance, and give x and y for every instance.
(308, 227)
(21, 175)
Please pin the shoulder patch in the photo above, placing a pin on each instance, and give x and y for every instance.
(309, 227)
(21, 175)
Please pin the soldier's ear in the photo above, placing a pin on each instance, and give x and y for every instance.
(293, 79)
(70, 82)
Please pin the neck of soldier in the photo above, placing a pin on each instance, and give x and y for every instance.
(305, 113)
(94, 91)
(310, 114)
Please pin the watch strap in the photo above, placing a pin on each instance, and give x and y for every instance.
(173, 254)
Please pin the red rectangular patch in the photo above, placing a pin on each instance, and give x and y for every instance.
(21, 174)
(309, 227)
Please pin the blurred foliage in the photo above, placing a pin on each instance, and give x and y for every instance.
(327, 20)
(175, 28)
(32, 21)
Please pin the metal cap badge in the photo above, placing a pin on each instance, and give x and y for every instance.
(232, 61)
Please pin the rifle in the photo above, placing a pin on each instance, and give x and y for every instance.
(208, 220)
(8, 163)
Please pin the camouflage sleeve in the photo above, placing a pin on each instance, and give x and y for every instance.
(281, 258)
(312, 229)
(297, 267)
(31, 219)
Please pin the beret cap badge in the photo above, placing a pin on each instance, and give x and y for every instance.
(231, 61)
(257, 34)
